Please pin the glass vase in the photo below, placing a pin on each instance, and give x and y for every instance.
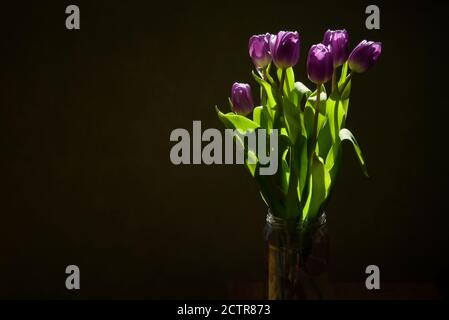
(297, 263)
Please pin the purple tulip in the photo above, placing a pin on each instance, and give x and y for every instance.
(259, 50)
(241, 98)
(364, 56)
(320, 63)
(285, 49)
(338, 40)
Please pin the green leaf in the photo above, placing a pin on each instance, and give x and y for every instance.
(289, 81)
(299, 91)
(287, 178)
(300, 163)
(309, 115)
(266, 120)
(346, 93)
(271, 101)
(345, 134)
(311, 101)
(283, 173)
(335, 113)
(271, 193)
(323, 96)
(347, 89)
(337, 110)
(318, 189)
(257, 115)
(333, 161)
(268, 75)
(262, 118)
(331, 156)
(324, 143)
(292, 200)
(236, 121)
(242, 125)
(343, 74)
(292, 117)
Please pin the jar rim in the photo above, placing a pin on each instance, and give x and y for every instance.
(278, 221)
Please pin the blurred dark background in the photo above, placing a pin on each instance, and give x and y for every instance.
(85, 174)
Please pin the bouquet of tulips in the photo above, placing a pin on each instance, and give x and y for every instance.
(311, 122)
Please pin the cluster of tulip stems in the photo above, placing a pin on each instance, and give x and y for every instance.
(310, 123)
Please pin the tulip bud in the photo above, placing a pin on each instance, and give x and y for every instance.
(241, 98)
(320, 63)
(259, 50)
(285, 49)
(364, 56)
(338, 40)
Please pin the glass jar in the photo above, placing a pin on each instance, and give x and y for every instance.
(297, 264)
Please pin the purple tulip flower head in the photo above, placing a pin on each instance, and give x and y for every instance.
(259, 50)
(241, 98)
(320, 63)
(285, 49)
(338, 40)
(364, 56)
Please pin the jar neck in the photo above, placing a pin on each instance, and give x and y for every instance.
(282, 233)
(281, 223)
(276, 222)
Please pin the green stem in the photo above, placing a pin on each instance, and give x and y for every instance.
(278, 118)
(337, 102)
(334, 80)
(277, 121)
(314, 135)
(282, 81)
(336, 123)
(346, 82)
(268, 77)
(263, 97)
(283, 75)
(312, 146)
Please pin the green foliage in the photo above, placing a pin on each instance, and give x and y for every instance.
(242, 124)
(319, 184)
(345, 134)
(308, 165)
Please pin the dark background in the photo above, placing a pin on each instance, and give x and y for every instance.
(85, 174)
